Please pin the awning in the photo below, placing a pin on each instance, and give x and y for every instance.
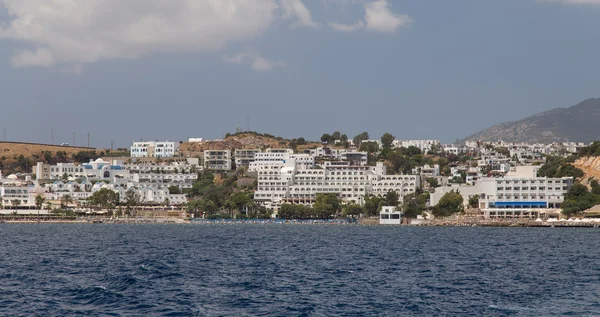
(519, 203)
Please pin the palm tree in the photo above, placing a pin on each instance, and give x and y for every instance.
(65, 200)
(39, 201)
(16, 203)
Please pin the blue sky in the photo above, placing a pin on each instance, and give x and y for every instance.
(419, 69)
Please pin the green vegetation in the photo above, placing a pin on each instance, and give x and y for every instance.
(174, 190)
(448, 205)
(326, 206)
(595, 187)
(433, 183)
(214, 196)
(578, 199)
(591, 150)
(335, 136)
(360, 138)
(415, 204)
(474, 201)
(559, 167)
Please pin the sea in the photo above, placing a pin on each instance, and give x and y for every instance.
(297, 270)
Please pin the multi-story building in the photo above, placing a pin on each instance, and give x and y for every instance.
(291, 183)
(95, 169)
(423, 145)
(243, 157)
(427, 171)
(14, 196)
(519, 194)
(355, 158)
(279, 156)
(217, 160)
(154, 149)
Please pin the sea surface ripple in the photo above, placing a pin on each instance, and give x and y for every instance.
(297, 270)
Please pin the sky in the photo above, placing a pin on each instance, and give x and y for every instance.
(170, 70)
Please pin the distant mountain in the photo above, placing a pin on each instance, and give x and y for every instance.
(579, 123)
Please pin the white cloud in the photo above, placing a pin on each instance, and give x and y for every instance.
(295, 9)
(261, 64)
(378, 17)
(69, 34)
(81, 32)
(347, 27)
(254, 59)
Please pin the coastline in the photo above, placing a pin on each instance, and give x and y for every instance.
(368, 222)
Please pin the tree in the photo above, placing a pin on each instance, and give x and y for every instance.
(132, 200)
(174, 190)
(326, 205)
(353, 210)
(48, 206)
(372, 205)
(433, 182)
(369, 147)
(595, 187)
(103, 198)
(578, 199)
(325, 138)
(65, 200)
(474, 201)
(336, 136)
(392, 198)
(449, 204)
(16, 203)
(358, 139)
(39, 201)
(559, 167)
(239, 200)
(386, 140)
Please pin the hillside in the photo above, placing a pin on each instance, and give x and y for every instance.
(9, 149)
(578, 123)
(245, 140)
(21, 157)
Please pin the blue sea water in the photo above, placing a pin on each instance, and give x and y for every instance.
(297, 270)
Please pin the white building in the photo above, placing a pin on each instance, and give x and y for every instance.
(427, 171)
(95, 169)
(154, 149)
(519, 194)
(292, 183)
(390, 216)
(243, 157)
(423, 145)
(278, 158)
(217, 160)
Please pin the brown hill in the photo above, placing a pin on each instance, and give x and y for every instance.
(590, 166)
(20, 157)
(10, 149)
(245, 140)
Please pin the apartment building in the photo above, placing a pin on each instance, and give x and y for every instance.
(243, 157)
(217, 160)
(278, 157)
(154, 149)
(423, 145)
(519, 194)
(95, 169)
(291, 183)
